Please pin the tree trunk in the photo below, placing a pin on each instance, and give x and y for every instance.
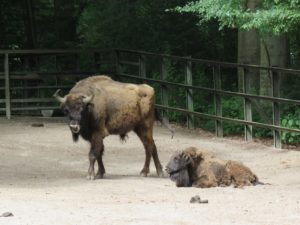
(249, 50)
(249, 53)
(274, 52)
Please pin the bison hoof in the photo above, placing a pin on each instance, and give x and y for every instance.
(90, 177)
(144, 173)
(99, 176)
(160, 173)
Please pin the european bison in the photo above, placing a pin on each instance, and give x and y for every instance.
(194, 167)
(99, 106)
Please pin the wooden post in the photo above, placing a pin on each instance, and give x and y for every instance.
(189, 93)
(142, 67)
(7, 87)
(217, 101)
(276, 108)
(164, 89)
(247, 104)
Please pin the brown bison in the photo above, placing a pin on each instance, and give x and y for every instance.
(99, 106)
(194, 167)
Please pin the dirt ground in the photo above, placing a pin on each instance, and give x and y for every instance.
(42, 181)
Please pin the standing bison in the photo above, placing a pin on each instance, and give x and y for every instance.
(99, 106)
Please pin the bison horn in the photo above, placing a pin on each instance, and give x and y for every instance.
(60, 99)
(87, 99)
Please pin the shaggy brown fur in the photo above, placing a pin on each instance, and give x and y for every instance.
(99, 106)
(204, 170)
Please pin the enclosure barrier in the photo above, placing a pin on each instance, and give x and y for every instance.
(114, 62)
(25, 73)
(216, 91)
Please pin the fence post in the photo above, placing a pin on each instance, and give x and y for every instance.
(164, 89)
(7, 87)
(189, 93)
(142, 67)
(217, 101)
(247, 103)
(276, 108)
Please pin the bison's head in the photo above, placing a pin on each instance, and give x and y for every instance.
(73, 106)
(177, 168)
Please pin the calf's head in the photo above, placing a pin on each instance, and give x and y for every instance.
(73, 106)
(177, 168)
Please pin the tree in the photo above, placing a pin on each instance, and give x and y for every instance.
(270, 18)
(145, 25)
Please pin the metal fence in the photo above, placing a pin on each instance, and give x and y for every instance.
(138, 67)
(30, 77)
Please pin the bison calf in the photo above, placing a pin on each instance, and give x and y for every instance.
(194, 167)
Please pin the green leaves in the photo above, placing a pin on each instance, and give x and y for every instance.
(291, 121)
(270, 17)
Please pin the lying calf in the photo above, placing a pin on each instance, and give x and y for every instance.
(194, 167)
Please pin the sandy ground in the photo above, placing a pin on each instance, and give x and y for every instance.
(42, 181)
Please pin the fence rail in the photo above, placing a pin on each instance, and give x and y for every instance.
(216, 90)
(117, 63)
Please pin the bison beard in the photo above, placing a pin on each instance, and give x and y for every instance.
(181, 178)
(99, 106)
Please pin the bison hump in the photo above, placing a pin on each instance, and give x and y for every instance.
(145, 95)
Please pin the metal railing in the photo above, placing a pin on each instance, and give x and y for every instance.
(247, 96)
(33, 77)
(117, 62)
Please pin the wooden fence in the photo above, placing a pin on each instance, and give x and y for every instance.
(138, 67)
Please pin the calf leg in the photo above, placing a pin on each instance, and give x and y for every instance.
(96, 153)
(145, 135)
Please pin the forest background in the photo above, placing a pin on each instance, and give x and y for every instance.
(260, 32)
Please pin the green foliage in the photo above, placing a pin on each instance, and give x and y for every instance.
(232, 108)
(270, 17)
(291, 121)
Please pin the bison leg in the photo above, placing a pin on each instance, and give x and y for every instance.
(96, 153)
(145, 135)
(101, 169)
(91, 170)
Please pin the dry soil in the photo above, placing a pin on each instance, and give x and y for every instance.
(42, 181)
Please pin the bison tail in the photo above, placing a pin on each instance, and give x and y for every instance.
(164, 122)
